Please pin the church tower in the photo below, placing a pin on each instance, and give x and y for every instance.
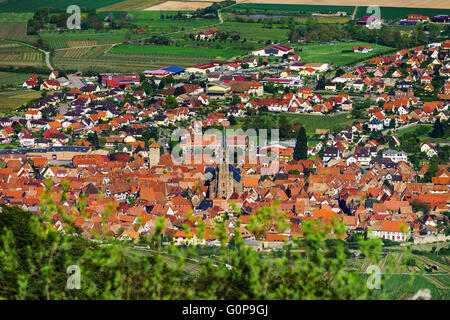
(154, 154)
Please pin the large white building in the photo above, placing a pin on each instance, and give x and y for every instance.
(277, 50)
(395, 156)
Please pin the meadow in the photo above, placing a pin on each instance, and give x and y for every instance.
(13, 78)
(12, 99)
(332, 52)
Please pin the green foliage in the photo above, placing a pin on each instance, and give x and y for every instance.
(301, 145)
(35, 257)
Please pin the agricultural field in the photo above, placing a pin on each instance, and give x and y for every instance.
(381, 3)
(85, 38)
(177, 51)
(155, 24)
(179, 6)
(129, 5)
(12, 99)
(15, 17)
(15, 31)
(32, 5)
(21, 56)
(332, 52)
(125, 62)
(13, 78)
(292, 9)
(390, 13)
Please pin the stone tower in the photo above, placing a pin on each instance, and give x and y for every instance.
(154, 154)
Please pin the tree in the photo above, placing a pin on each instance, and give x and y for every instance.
(171, 102)
(438, 130)
(301, 145)
(93, 139)
(35, 257)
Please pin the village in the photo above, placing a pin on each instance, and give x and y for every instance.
(110, 138)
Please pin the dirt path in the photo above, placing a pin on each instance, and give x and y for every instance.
(354, 12)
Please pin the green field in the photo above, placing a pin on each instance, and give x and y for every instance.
(176, 51)
(32, 5)
(288, 8)
(20, 56)
(15, 31)
(332, 53)
(390, 13)
(11, 99)
(12, 78)
(15, 17)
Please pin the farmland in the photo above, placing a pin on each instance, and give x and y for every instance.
(20, 56)
(12, 78)
(297, 9)
(390, 13)
(15, 98)
(15, 31)
(32, 5)
(381, 3)
(177, 51)
(129, 5)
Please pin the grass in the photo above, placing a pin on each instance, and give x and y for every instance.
(12, 99)
(313, 122)
(332, 52)
(12, 78)
(15, 16)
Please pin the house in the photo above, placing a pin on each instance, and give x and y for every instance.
(375, 124)
(330, 153)
(362, 49)
(27, 140)
(392, 230)
(50, 85)
(31, 82)
(277, 50)
(429, 149)
(33, 114)
(395, 156)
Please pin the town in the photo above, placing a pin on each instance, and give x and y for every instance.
(109, 136)
(182, 146)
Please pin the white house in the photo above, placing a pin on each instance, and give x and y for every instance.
(277, 50)
(395, 156)
(429, 149)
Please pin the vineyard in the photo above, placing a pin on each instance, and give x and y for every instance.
(20, 56)
(124, 62)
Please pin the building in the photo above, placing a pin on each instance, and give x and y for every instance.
(116, 80)
(392, 230)
(395, 156)
(277, 50)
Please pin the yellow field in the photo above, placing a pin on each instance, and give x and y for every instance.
(179, 6)
(433, 4)
(130, 5)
